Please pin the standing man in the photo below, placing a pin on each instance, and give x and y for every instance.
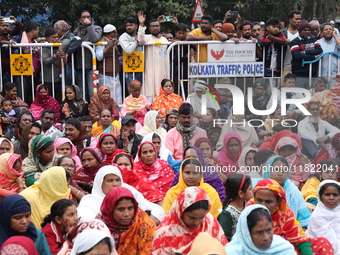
(329, 43)
(154, 55)
(315, 29)
(110, 56)
(304, 47)
(205, 33)
(129, 43)
(88, 32)
(291, 32)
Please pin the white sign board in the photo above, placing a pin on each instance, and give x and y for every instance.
(223, 69)
(226, 52)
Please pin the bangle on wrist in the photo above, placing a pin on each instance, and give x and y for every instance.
(78, 193)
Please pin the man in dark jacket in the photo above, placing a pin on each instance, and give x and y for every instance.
(129, 140)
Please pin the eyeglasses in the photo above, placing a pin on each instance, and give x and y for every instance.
(84, 17)
(68, 166)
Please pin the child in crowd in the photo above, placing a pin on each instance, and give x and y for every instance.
(238, 190)
(136, 104)
(8, 116)
(327, 170)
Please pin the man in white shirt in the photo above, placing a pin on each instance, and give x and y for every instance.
(47, 121)
(314, 132)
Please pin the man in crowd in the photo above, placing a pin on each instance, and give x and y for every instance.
(315, 29)
(128, 140)
(47, 121)
(246, 34)
(256, 30)
(154, 55)
(304, 47)
(315, 132)
(86, 121)
(88, 32)
(205, 33)
(184, 134)
(6, 34)
(291, 32)
(110, 56)
(329, 43)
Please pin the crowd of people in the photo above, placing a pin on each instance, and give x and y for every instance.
(158, 175)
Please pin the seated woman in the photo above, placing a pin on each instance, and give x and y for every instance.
(188, 216)
(6, 146)
(153, 169)
(320, 84)
(329, 170)
(130, 226)
(52, 186)
(271, 142)
(208, 124)
(9, 91)
(19, 243)
(23, 120)
(101, 101)
(230, 153)
(21, 145)
(105, 118)
(171, 119)
(107, 178)
(11, 181)
(43, 101)
(69, 165)
(298, 162)
(153, 123)
(166, 99)
(135, 104)
(270, 194)
(277, 168)
(64, 146)
(73, 106)
(41, 157)
(246, 163)
(191, 175)
(325, 218)
(254, 235)
(329, 150)
(248, 133)
(59, 222)
(108, 145)
(92, 160)
(94, 241)
(210, 176)
(15, 220)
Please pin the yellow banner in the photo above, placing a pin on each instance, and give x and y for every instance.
(21, 64)
(133, 62)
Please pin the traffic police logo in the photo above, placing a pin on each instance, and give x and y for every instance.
(21, 64)
(134, 62)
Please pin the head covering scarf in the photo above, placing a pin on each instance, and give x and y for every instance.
(60, 141)
(86, 240)
(98, 104)
(19, 245)
(8, 174)
(227, 27)
(62, 25)
(163, 102)
(11, 149)
(163, 152)
(196, 101)
(24, 138)
(173, 236)
(224, 156)
(160, 172)
(329, 149)
(78, 108)
(173, 193)
(18, 130)
(325, 222)
(108, 158)
(51, 187)
(242, 243)
(272, 141)
(150, 125)
(9, 206)
(135, 238)
(170, 112)
(205, 244)
(242, 159)
(86, 174)
(284, 221)
(44, 102)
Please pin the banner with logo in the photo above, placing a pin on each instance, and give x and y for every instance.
(227, 52)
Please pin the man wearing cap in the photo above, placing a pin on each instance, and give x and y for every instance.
(110, 68)
(304, 47)
(128, 140)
